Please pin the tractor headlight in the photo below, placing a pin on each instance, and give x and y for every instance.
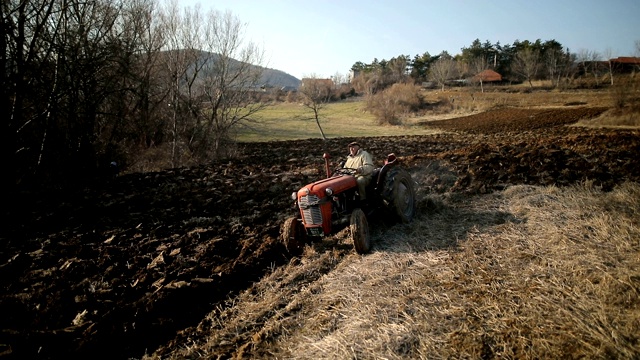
(328, 191)
(294, 196)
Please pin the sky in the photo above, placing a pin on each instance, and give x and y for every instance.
(320, 39)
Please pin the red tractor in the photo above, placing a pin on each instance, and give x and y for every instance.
(329, 205)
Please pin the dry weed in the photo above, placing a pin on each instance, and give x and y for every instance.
(530, 272)
(621, 119)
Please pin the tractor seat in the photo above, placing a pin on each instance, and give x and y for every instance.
(378, 174)
(375, 173)
(391, 158)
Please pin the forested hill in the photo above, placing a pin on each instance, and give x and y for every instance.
(270, 77)
(278, 78)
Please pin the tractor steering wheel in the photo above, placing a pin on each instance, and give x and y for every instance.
(345, 171)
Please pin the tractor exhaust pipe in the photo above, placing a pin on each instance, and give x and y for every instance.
(326, 158)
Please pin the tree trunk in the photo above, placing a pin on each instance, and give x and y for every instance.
(611, 72)
(318, 123)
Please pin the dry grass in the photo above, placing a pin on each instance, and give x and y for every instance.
(613, 119)
(467, 100)
(288, 121)
(530, 272)
(291, 121)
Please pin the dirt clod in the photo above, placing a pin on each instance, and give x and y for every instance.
(136, 260)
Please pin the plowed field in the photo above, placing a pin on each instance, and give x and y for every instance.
(117, 269)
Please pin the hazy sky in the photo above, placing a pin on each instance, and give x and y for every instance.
(322, 38)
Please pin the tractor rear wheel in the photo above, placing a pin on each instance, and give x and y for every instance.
(293, 236)
(359, 231)
(400, 195)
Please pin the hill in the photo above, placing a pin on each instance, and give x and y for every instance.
(279, 79)
(270, 77)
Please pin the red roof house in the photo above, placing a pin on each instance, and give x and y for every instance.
(488, 76)
(625, 64)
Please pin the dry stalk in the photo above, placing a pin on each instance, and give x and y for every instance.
(530, 272)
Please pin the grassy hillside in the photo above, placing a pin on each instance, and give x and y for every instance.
(290, 121)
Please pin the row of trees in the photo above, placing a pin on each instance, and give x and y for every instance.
(91, 82)
(520, 61)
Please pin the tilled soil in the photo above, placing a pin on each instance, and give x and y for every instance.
(117, 269)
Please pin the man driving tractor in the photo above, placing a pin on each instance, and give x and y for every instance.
(362, 162)
(328, 205)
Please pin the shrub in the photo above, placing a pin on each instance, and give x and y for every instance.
(292, 97)
(623, 94)
(391, 105)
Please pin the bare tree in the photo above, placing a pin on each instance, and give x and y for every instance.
(341, 86)
(477, 66)
(608, 55)
(397, 68)
(589, 60)
(339, 80)
(555, 63)
(559, 65)
(59, 58)
(526, 63)
(582, 57)
(183, 63)
(443, 69)
(231, 77)
(84, 77)
(134, 118)
(26, 47)
(214, 74)
(595, 59)
(316, 94)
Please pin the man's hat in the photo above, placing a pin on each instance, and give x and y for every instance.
(355, 143)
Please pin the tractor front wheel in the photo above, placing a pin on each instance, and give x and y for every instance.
(359, 231)
(293, 236)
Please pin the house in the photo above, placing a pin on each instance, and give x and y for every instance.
(625, 64)
(487, 76)
(353, 74)
(320, 83)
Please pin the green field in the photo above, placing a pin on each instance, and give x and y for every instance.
(349, 118)
(290, 121)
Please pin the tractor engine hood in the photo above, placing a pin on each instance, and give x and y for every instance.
(337, 184)
(315, 205)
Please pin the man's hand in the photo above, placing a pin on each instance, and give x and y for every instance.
(359, 170)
